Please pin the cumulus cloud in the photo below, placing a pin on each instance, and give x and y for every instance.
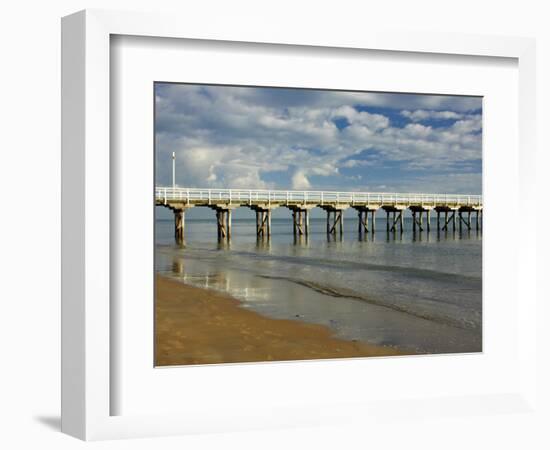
(300, 181)
(307, 139)
(421, 115)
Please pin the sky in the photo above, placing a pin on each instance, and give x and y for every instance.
(281, 138)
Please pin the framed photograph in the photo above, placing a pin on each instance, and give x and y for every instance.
(270, 230)
(267, 200)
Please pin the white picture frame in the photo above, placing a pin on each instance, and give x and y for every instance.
(86, 247)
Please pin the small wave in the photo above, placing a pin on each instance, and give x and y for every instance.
(338, 292)
(431, 274)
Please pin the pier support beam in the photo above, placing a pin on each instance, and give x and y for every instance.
(336, 225)
(338, 219)
(396, 220)
(179, 225)
(263, 222)
(479, 213)
(449, 216)
(297, 224)
(300, 219)
(363, 225)
(223, 221)
(468, 220)
(454, 221)
(228, 224)
(420, 211)
(428, 220)
(263, 219)
(179, 210)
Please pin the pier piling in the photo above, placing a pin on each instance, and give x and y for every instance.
(300, 220)
(228, 212)
(179, 225)
(363, 225)
(223, 221)
(428, 220)
(263, 220)
(396, 220)
(454, 221)
(337, 224)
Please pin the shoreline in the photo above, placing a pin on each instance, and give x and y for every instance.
(202, 326)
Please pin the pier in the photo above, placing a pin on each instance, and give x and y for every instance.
(456, 210)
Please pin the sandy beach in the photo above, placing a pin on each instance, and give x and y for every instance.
(200, 326)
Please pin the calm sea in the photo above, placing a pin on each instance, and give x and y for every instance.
(418, 292)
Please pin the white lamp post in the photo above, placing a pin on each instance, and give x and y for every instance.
(173, 169)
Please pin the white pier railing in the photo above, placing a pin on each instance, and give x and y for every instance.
(250, 196)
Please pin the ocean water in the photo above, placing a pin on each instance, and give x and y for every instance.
(418, 292)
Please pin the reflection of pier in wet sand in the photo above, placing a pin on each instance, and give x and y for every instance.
(454, 208)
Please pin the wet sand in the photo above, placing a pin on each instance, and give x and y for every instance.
(200, 326)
